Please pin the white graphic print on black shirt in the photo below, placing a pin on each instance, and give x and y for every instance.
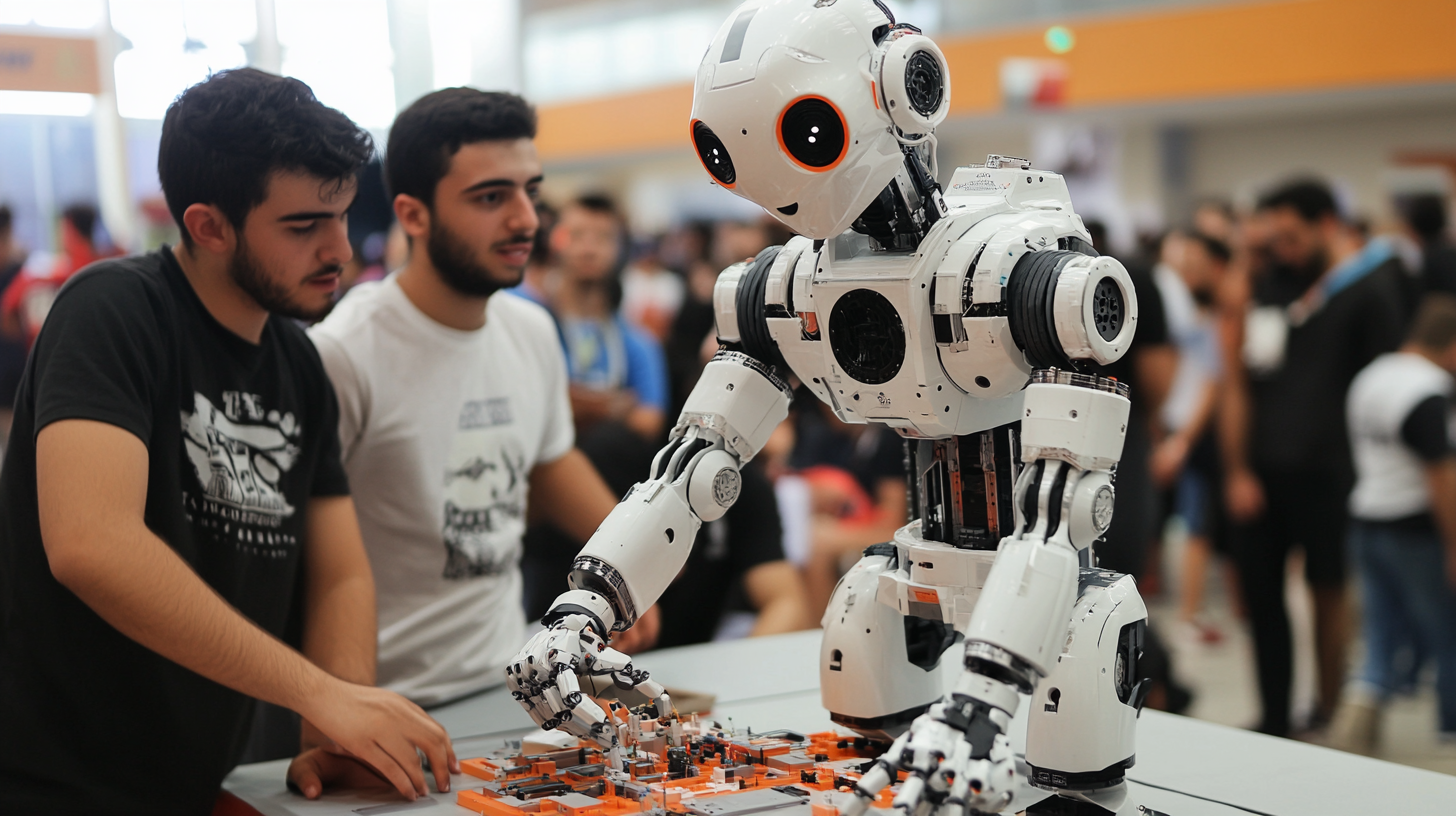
(239, 465)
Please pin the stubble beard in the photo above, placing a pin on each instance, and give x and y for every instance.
(459, 269)
(252, 278)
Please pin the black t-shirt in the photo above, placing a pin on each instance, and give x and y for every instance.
(748, 535)
(239, 438)
(1299, 410)
(1424, 429)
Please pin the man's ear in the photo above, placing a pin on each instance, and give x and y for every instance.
(209, 228)
(413, 216)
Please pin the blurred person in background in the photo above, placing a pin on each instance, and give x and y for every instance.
(1216, 219)
(737, 582)
(686, 250)
(538, 267)
(855, 475)
(28, 298)
(1320, 312)
(618, 374)
(652, 294)
(1148, 367)
(1424, 217)
(1403, 523)
(1185, 461)
(12, 349)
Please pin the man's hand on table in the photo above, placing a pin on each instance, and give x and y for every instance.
(374, 733)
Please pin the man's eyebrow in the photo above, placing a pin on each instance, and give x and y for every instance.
(491, 183)
(308, 216)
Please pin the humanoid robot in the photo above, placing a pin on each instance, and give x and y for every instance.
(958, 317)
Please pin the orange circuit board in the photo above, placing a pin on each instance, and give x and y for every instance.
(688, 766)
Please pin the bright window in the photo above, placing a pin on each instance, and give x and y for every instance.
(341, 49)
(175, 44)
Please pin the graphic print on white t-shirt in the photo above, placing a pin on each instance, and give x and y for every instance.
(485, 492)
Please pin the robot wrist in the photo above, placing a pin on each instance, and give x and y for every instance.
(980, 721)
(605, 586)
(582, 602)
(993, 662)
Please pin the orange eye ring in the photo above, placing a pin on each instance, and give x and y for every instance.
(843, 125)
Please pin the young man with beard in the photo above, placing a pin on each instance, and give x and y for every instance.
(453, 399)
(1322, 311)
(172, 496)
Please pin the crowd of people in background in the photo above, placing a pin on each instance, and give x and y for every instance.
(1245, 429)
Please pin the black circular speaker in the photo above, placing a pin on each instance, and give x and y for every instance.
(714, 154)
(867, 336)
(813, 132)
(924, 83)
(1108, 308)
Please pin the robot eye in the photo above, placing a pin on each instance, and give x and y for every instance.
(812, 131)
(714, 154)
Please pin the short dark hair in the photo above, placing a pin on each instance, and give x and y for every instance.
(599, 204)
(7, 219)
(1216, 249)
(427, 134)
(1310, 198)
(83, 217)
(1426, 215)
(223, 137)
(1435, 324)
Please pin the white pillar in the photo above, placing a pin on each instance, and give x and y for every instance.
(414, 63)
(109, 137)
(495, 46)
(267, 54)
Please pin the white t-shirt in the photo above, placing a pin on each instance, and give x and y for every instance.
(440, 429)
(1390, 479)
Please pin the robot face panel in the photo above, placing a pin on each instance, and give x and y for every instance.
(800, 106)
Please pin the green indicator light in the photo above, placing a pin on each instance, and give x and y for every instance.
(1059, 39)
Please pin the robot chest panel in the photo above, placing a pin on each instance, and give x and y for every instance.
(868, 348)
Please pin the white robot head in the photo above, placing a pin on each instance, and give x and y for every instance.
(802, 106)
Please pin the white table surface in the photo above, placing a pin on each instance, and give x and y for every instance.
(1184, 767)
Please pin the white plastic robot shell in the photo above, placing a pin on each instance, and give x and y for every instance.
(789, 113)
(1084, 427)
(1076, 722)
(948, 371)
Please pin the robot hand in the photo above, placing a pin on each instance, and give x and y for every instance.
(955, 757)
(546, 677)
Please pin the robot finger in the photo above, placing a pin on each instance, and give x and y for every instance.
(610, 660)
(909, 796)
(568, 689)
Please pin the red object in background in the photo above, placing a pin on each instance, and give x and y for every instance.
(1033, 82)
(28, 298)
(229, 805)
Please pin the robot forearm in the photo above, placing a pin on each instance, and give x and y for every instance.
(644, 542)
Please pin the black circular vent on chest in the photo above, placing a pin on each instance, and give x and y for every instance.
(867, 336)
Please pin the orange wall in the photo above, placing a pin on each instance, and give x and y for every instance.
(1229, 50)
(1224, 51)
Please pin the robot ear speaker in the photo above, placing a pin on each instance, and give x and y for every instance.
(915, 79)
(714, 154)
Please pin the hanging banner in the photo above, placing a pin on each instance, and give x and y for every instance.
(31, 62)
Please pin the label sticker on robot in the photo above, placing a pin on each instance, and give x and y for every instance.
(925, 596)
